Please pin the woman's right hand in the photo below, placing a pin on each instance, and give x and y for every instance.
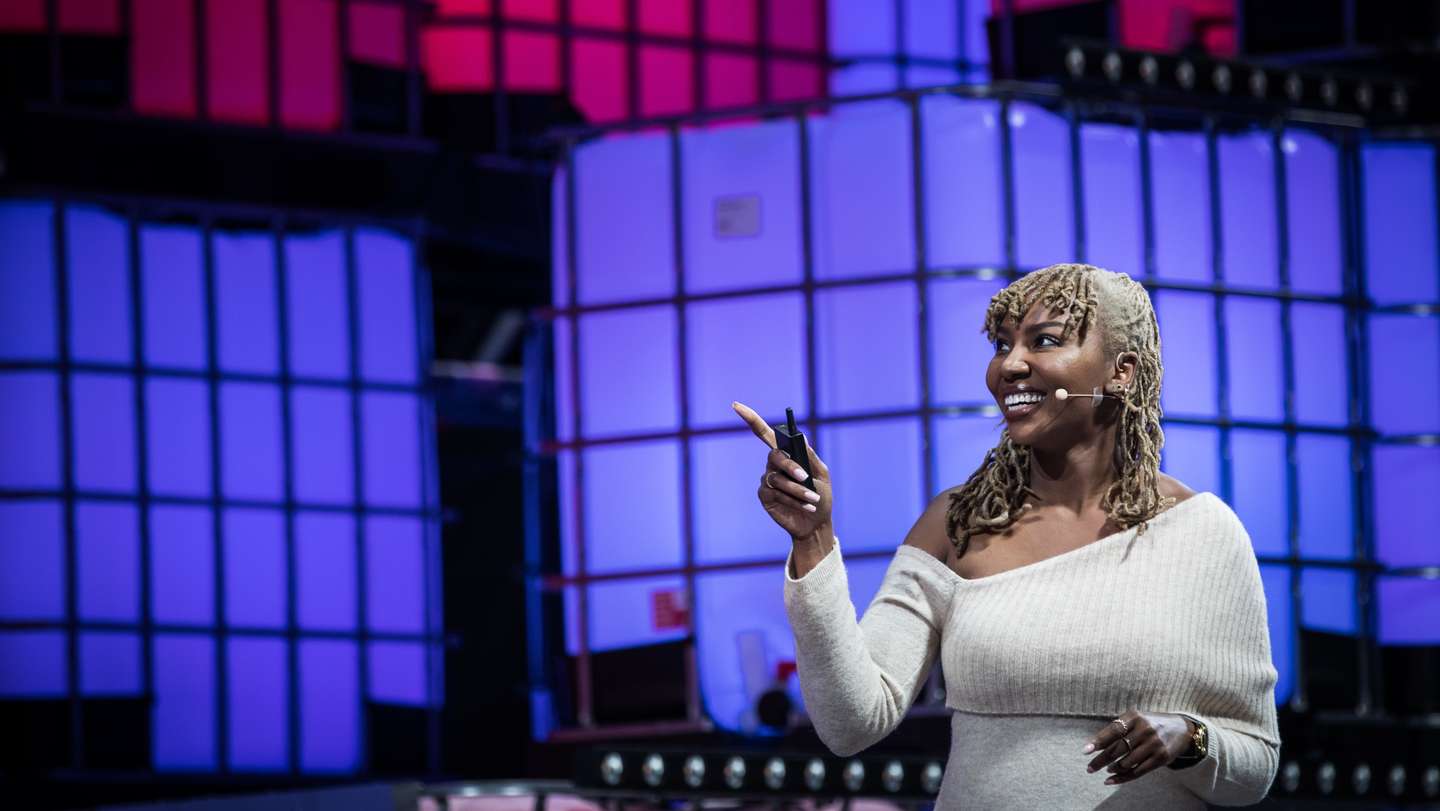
(797, 509)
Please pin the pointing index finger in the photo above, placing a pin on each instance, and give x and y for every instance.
(761, 428)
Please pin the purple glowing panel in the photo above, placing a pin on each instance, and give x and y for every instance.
(173, 297)
(251, 446)
(182, 565)
(27, 281)
(570, 517)
(330, 733)
(925, 76)
(1312, 193)
(742, 634)
(564, 390)
(1187, 344)
(1321, 363)
(1044, 205)
(1180, 190)
(1408, 607)
(963, 188)
(385, 271)
(729, 523)
(177, 432)
(321, 446)
(391, 446)
(246, 323)
(317, 306)
(1247, 211)
(259, 696)
(1405, 355)
(255, 568)
(1406, 510)
(560, 238)
(1192, 455)
(960, 446)
(861, 28)
(976, 44)
(97, 250)
(623, 613)
(32, 561)
(1400, 234)
(395, 574)
(110, 664)
(325, 580)
(1114, 223)
(1258, 474)
(185, 703)
(30, 436)
(1327, 525)
(861, 190)
(959, 351)
(1276, 580)
(1255, 358)
(103, 418)
(35, 664)
(1329, 600)
(748, 349)
(741, 206)
(397, 673)
(867, 348)
(107, 537)
(618, 535)
(624, 240)
(878, 501)
(931, 29)
(628, 371)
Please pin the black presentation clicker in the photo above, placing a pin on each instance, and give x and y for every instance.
(789, 439)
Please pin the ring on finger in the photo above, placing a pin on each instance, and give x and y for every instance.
(1124, 727)
(1128, 747)
(767, 479)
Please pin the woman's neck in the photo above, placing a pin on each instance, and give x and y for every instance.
(1075, 477)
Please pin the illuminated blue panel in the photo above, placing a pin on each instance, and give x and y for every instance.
(1406, 509)
(864, 78)
(35, 664)
(252, 451)
(110, 664)
(1400, 238)
(931, 29)
(321, 446)
(1114, 222)
(1187, 343)
(741, 206)
(103, 416)
(741, 635)
(385, 282)
(184, 713)
(255, 568)
(959, 352)
(330, 734)
(1404, 353)
(1258, 474)
(1256, 358)
(624, 239)
(559, 238)
(862, 201)
(623, 613)
(391, 447)
(182, 565)
(628, 371)
(1321, 363)
(976, 45)
(317, 306)
(173, 297)
(177, 433)
(1326, 520)
(397, 672)
(1408, 607)
(1328, 600)
(1247, 211)
(617, 535)
(876, 501)
(730, 524)
(1044, 204)
(27, 281)
(325, 576)
(926, 76)
(964, 201)
(960, 446)
(867, 348)
(564, 392)
(570, 516)
(394, 574)
(860, 27)
(1276, 580)
(30, 442)
(1312, 192)
(32, 561)
(1180, 191)
(1192, 455)
(749, 349)
(246, 326)
(97, 250)
(259, 695)
(107, 537)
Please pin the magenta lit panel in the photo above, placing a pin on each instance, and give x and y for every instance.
(598, 13)
(457, 59)
(665, 81)
(309, 64)
(546, 11)
(377, 34)
(22, 15)
(731, 80)
(94, 17)
(598, 83)
(531, 62)
(731, 21)
(237, 61)
(162, 57)
(794, 24)
(665, 17)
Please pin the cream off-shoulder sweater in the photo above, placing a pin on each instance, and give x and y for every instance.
(1037, 659)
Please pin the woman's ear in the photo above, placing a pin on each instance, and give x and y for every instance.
(1123, 375)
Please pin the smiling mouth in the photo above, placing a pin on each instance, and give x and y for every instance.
(1021, 405)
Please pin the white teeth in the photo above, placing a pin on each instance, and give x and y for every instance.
(1023, 398)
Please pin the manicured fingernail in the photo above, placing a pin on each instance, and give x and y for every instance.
(798, 473)
(1089, 747)
(811, 495)
(1112, 781)
(808, 507)
(1090, 769)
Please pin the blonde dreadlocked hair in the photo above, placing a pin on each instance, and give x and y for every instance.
(1084, 296)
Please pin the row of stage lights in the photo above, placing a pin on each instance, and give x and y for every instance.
(1326, 775)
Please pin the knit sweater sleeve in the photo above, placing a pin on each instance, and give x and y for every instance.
(860, 678)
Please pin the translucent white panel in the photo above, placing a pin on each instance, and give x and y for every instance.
(391, 447)
(35, 664)
(107, 537)
(863, 78)
(741, 206)
(1258, 474)
(1328, 601)
(1405, 352)
(861, 27)
(252, 451)
(317, 306)
(1400, 232)
(1408, 607)
(394, 574)
(622, 613)
(177, 434)
(182, 565)
(325, 576)
(878, 479)
(620, 533)
(862, 198)
(959, 353)
(97, 249)
(321, 445)
(385, 288)
(330, 731)
(1192, 455)
(931, 29)
(1248, 211)
(628, 371)
(1114, 221)
(30, 437)
(564, 390)
(867, 347)
(397, 672)
(1254, 352)
(960, 447)
(27, 281)
(184, 715)
(735, 608)
(1406, 509)
(625, 226)
(1326, 502)
(256, 569)
(32, 561)
(259, 698)
(1322, 379)
(964, 197)
(1312, 194)
(110, 664)
(1187, 344)
(748, 349)
(1281, 622)
(103, 416)
(1044, 202)
(246, 324)
(1180, 193)
(173, 297)
(730, 522)
(559, 239)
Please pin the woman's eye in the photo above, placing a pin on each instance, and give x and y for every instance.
(1002, 346)
(1040, 341)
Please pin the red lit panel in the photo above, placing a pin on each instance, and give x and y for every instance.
(540, 10)
(794, 81)
(162, 57)
(794, 24)
(598, 84)
(730, 21)
(377, 34)
(457, 59)
(88, 16)
(665, 75)
(22, 15)
(531, 61)
(237, 63)
(670, 17)
(310, 64)
(598, 13)
(730, 81)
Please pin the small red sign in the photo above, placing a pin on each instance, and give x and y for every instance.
(669, 611)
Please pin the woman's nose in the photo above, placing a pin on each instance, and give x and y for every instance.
(1014, 365)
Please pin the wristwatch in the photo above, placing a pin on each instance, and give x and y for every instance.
(1199, 746)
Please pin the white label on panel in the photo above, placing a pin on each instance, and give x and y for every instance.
(737, 216)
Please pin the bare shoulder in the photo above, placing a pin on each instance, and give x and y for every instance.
(928, 533)
(1171, 487)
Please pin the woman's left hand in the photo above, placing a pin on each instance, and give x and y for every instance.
(1154, 740)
